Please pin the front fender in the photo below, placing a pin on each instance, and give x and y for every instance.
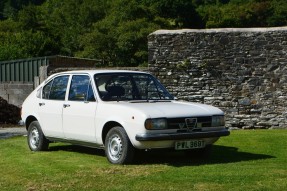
(132, 120)
(131, 126)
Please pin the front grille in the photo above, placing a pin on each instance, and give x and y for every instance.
(180, 123)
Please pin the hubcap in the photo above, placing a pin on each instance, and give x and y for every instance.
(115, 147)
(34, 138)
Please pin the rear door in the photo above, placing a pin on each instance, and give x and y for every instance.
(79, 110)
(51, 106)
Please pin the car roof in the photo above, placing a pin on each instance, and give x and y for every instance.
(92, 72)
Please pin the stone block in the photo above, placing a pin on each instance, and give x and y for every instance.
(245, 101)
(4, 96)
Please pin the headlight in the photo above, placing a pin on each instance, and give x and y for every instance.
(156, 124)
(218, 121)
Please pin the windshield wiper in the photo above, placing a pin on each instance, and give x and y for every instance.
(149, 101)
(161, 100)
(138, 101)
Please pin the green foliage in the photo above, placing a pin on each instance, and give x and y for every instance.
(183, 65)
(23, 44)
(9, 38)
(278, 17)
(243, 13)
(116, 30)
(9, 8)
(120, 39)
(180, 13)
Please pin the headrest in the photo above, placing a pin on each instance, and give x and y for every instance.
(116, 91)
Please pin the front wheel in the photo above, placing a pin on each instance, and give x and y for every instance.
(118, 147)
(36, 139)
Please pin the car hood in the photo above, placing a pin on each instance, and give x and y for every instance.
(171, 109)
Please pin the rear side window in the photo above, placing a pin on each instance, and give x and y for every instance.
(56, 89)
(81, 89)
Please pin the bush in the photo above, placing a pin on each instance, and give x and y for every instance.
(8, 113)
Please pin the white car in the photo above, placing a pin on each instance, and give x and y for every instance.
(120, 111)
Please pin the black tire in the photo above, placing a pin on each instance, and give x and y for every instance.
(203, 153)
(118, 147)
(36, 139)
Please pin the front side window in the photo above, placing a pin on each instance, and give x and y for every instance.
(81, 89)
(130, 86)
(56, 88)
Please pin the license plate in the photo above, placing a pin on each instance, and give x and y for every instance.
(194, 144)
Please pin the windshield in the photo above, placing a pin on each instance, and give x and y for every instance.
(130, 86)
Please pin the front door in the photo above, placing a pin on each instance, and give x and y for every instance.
(79, 110)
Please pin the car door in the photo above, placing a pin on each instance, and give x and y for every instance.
(79, 110)
(51, 106)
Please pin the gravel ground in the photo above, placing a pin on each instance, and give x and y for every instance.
(8, 132)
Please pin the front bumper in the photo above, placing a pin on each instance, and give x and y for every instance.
(181, 136)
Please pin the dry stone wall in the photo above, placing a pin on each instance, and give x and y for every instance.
(242, 71)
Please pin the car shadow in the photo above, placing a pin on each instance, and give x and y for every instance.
(219, 155)
(78, 149)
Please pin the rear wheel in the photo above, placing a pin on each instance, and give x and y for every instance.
(118, 147)
(36, 139)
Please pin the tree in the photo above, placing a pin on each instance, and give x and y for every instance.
(116, 30)
(236, 13)
(70, 19)
(278, 17)
(10, 8)
(180, 13)
(120, 38)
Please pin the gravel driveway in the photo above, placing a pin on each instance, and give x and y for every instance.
(12, 132)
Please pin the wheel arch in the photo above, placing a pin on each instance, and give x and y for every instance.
(108, 126)
(29, 120)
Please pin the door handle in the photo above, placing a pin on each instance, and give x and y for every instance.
(66, 105)
(41, 104)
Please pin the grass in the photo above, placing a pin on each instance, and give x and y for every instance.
(245, 160)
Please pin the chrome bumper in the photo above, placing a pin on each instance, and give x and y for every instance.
(181, 135)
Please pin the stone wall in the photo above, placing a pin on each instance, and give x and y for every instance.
(242, 71)
(15, 92)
